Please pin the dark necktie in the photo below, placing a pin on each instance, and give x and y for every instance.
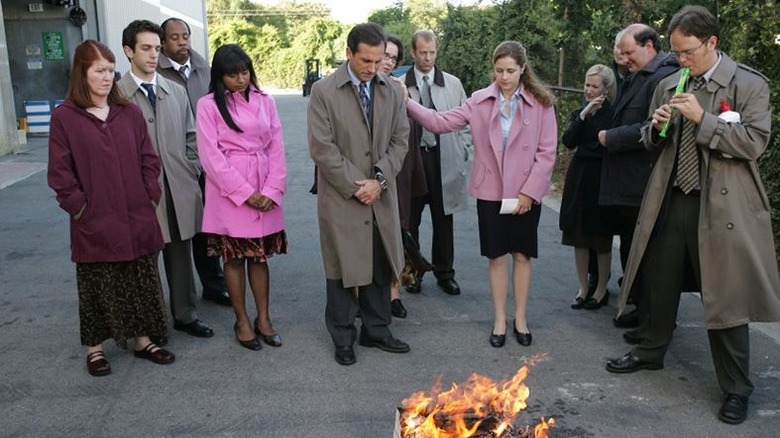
(183, 72)
(150, 95)
(688, 157)
(365, 100)
(428, 139)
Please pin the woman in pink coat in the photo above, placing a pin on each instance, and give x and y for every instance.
(241, 150)
(515, 138)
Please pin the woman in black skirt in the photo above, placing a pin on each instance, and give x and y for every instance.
(584, 223)
(515, 137)
(103, 167)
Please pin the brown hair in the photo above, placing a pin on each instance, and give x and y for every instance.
(530, 81)
(86, 54)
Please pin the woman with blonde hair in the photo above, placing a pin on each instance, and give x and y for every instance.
(515, 137)
(584, 223)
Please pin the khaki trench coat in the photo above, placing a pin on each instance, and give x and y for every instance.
(739, 278)
(346, 150)
(172, 132)
(455, 148)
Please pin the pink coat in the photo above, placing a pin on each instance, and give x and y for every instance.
(526, 165)
(238, 164)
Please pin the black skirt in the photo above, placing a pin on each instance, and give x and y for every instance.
(501, 234)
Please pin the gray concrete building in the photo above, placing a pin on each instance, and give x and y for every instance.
(37, 40)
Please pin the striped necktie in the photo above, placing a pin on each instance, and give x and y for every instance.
(364, 98)
(688, 156)
(150, 94)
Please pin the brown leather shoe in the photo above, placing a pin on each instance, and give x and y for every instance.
(155, 354)
(97, 365)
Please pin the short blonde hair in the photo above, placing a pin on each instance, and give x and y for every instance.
(607, 79)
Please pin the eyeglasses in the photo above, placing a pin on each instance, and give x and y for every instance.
(689, 52)
(390, 57)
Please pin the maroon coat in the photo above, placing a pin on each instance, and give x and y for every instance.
(110, 167)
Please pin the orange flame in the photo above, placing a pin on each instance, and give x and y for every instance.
(479, 404)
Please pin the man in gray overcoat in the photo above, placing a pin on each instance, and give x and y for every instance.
(358, 133)
(705, 211)
(168, 116)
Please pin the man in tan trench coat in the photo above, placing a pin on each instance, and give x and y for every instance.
(172, 131)
(713, 219)
(358, 133)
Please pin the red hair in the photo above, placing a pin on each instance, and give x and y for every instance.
(87, 53)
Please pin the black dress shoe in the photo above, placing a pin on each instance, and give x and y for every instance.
(389, 344)
(627, 320)
(253, 344)
(97, 365)
(578, 303)
(273, 340)
(523, 339)
(415, 287)
(397, 309)
(497, 341)
(345, 355)
(196, 328)
(450, 286)
(734, 409)
(632, 337)
(629, 364)
(222, 298)
(594, 304)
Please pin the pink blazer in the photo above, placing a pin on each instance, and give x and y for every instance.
(527, 163)
(239, 164)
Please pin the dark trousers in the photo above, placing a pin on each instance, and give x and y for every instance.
(372, 300)
(209, 268)
(442, 245)
(181, 280)
(673, 245)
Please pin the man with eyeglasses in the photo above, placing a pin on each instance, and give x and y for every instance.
(444, 156)
(705, 210)
(627, 164)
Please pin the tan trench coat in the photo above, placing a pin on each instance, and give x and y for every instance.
(173, 136)
(346, 150)
(739, 278)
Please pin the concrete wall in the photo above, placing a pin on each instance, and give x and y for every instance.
(9, 141)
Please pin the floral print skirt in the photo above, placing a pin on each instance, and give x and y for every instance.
(257, 249)
(120, 300)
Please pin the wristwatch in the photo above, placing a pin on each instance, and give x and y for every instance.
(380, 178)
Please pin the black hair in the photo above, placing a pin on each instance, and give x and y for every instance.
(695, 21)
(648, 34)
(229, 59)
(164, 24)
(130, 34)
(370, 34)
(395, 40)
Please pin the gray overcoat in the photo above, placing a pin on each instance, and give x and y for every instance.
(345, 150)
(455, 148)
(173, 136)
(197, 84)
(739, 277)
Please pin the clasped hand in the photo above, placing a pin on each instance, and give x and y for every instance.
(260, 202)
(369, 192)
(685, 103)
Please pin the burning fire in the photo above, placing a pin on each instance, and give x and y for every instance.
(478, 407)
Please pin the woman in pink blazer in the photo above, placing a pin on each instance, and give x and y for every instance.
(241, 150)
(515, 138)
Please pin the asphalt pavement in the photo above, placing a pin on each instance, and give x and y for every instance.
(218, 389)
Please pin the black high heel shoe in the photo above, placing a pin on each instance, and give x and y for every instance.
(523, 339)
(593, 304)
(578, 303)
(497, 341)
(273, 340)
(252, 344)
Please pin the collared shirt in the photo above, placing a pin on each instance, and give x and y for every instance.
(140, 81)
(356, 81)
(708, 75)
(418, 76)
(506, 123)
(177, 66)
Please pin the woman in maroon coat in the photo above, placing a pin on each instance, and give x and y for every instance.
(105, 172)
